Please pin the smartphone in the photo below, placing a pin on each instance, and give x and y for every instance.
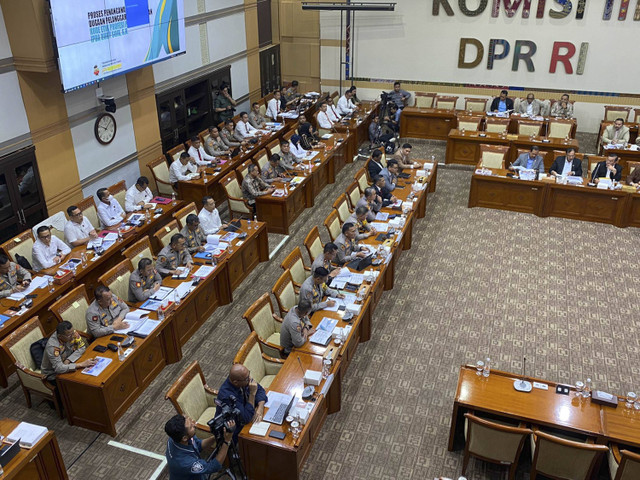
(277, 434)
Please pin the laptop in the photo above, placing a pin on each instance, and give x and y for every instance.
(277, 413)
(360, 263)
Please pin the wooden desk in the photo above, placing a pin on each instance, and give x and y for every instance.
(43, 461)
(246, 255)
(267, 458)
(433, 123)
(503, 193)
(624, 155)
(358, 125)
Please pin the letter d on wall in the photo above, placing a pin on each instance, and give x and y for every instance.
(463, 47)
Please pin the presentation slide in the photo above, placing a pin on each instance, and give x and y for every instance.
(97, 39)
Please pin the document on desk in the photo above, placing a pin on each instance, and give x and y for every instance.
(356, 278)
(36, 282)
(152, 305)
(324, 331)
(162, 293)
(230, 237)
(98, 368)
(110, 237)
(260, 429)
(184, 289)
(380, 227)
(204, 271)
(183, 273)
(382, 216)
(136, 315)
(147, 327)
(310, 155)
(275, 398)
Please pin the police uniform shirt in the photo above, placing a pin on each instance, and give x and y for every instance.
(362, 227)
(184, 461)
(140, 287)
(77, 231)
(321, 262)
(10, 279)
(215, 146)
(314, 293)
(196, 238)
(270, 173)
(291, 330)
(256, 119)
(229, 138)
(374, 207)
(55, 354)
(169, 259)
(100, 320)
(289, 160)
(347, 249)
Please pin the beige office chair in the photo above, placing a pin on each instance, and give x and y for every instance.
(613, 112)
(21, 244)
(163, 236)
(341, 205)
(117, 279)
(243, 170)
(446, 102)
(193, 398)
(88, 208)
(424, 99)
(259, 317)
(295, 264)
(353, 195)
(274, 147)
(530, 127)
(160, 171)
(182, 214)
(263, 109)
(50, 222)
(559, 128)
(313, 244)
(593, 161)
(493, 156)
(119, 191)
(175, 152)
(139, 250)
(470, 124)
(623, 464)
(559, 458)
(17, 348)
(285, 293)
(361, 178)
(475, 105)
(237, 204)
(493, 442)
(261, 158)
(332, 224)
(496, 125)
(72, 308)
(263, 368)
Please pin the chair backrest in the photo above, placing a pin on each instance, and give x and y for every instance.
(332, 224)
(139, 250)
(21, 244)
(496, 125)
(342, 208)
(530, 127)
(234, 194)
(632, 166)
(353, 195)
(160, 171)
(88, 208)
(562, 153)
(361, 178)
(285, 293)
(117, 279)
(383, 158)
(119, 191)
(446, 102)
(334, 97)
(174, 153)
(243, 170)
(562, 458)
(51, 222)
(313, 244)
(295, 265)
(72, 308)
(475, 104)
(250, 355)
(261, 158)
(612, 112)
(17, 345)
(187, 393)
(204, 136)
(182, 214)
(559, 128)
(471, 124)
(494, 441)
(263, 109)
(593, 161)
(164, 234)
(424, 99)
(493, 156)
(274, 147)
(629, 468)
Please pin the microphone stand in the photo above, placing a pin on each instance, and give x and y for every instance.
(522, 385)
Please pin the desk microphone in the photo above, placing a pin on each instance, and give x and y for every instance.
(522, 385)
(595, 170)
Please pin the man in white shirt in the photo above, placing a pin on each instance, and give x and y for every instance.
(196, 151)
(273, 107)
(47, 250)
(138, 196)
(244, 129)
(209, 217)
(110, 212)
(324, 121)
(345, 105)
(333, 112)
(78, 230)
(181, 168)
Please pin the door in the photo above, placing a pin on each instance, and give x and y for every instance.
(270, 69)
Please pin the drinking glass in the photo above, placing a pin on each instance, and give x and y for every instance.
(631, 399)
(326, 368)
(479, 367)
(295, 429)
(587, 388)
(51, 286)
(579, 388)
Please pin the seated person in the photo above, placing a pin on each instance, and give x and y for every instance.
(78, 229)
(181, 168)
(296, 147)
(348, 247)
(209, 217)
(196, 151)
(13, 278)
(325, 122)
(345, 105)
(110, 212)
(402, 156)
(372, 201)
(214, 145)
(502, 103)
(287, 159)
(244, 129)
(184, 448)
(359, 219)
(64, 347)
(272, 171)
(253, 186)
(530, 107)
(634, 178)
(144, 281)
(255, 117)
(329, 252)
(530, 160)
(106, 313)
(375, 164)
(291, 93)
(138, 196)
(314, 289)
(274, 107)
(48, 250)
(567, 165)
(392, 121)
(382, 192)
(610, 169)
(399, 97)
(562, 108)
(376, 135)
(229, 138)
(249, 396)
(354, 96)
(616, 134)
(173, 256)
(194, 234)
(309, 137)
(296, 327)
(390, 175)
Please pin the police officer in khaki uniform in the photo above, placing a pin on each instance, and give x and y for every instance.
(348, 248)
(314, 289)
(194, 235)
(359, 219)
(287, 159)
(253, 186)
(143, 282)
(173, 256)
(325, 260)
(64, 347)
(13, 278)
(106, 313)
(272, 171)
(296, 327)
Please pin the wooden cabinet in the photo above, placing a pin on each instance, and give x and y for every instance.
(270, 77)
(22, 204)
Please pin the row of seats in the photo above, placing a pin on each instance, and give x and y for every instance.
(558, 128)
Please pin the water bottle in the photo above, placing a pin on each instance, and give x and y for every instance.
(587, 388)
(487, 367)
(173, 198)
(160, 314)
(255, 222)
(176, 298)
(286, 189)
(120, 353)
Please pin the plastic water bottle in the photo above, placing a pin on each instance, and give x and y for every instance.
(120, 353)
(487, 367)
(173, 198)
(587, 388)
(255, 222)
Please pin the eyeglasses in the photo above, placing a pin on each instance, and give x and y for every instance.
(44, 237)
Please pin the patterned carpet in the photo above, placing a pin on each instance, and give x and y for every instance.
(476, 283)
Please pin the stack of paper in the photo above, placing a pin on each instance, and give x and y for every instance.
(260, 429)
(162, 293)
(380, 227)
(382, 216)
(204, 271)
(28, 434)
(98, 368)
(184, 289)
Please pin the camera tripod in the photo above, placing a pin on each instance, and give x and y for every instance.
(234, 462)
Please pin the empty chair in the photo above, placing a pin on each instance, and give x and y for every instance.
(446, 102)
(353, 195)
(530, 127)
(19, 245)
(332, 224)
(361, 178)
(624, 464)
(72, 308)
(181, 215)
(560, 128)
(285, 293)
(193, 398)
(424, 100)
(262, 367)
(295, 264)
(238, 206)
(313, 244)
(163, 236)
(160, 171)
(493, 156)
(613, 112)
(475, 104)
(88, 208)
(342, 207)
(119, 191)
(117, 279)
(260, 318)
(471, 124)
(493, 442)
(496, 125)
(139, 250)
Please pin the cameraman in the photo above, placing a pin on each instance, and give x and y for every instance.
(183, 450)
(249, 396)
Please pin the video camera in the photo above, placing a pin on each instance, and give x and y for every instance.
(228, 413)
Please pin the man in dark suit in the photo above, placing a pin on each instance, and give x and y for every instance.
(502, 103)
(607, 169)
(567, 165)
(382, 191)
(530, 160)
(375, 167)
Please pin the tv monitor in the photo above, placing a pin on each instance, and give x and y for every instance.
(98, 39)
